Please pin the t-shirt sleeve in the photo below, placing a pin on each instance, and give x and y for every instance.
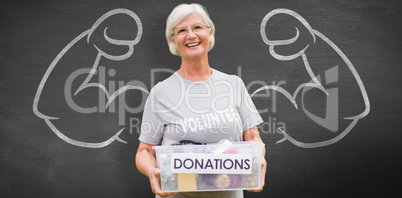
(152, 125)
(248, 112)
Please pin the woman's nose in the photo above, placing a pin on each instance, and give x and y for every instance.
(190, 33)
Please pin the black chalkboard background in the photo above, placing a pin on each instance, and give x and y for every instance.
(35, 162)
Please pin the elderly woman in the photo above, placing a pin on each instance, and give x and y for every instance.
(197, 104)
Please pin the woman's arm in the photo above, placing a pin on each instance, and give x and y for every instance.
(146, 164)
(253, 135)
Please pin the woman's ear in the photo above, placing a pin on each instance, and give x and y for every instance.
(173, 48)
(173, 43)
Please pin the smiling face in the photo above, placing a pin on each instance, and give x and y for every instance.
(195, 43)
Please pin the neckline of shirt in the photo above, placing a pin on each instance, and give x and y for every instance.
(189, 81)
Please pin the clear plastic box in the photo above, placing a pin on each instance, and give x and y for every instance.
(212, 167)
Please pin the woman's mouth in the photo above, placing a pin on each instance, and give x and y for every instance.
(191, 45)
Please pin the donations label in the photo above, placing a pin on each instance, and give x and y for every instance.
(211, 163)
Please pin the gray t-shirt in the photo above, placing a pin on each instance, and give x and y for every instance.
(179, 110)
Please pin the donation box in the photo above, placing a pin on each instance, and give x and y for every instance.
(212, 167)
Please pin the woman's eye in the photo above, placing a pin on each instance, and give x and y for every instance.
(197, 27)
(181, 31)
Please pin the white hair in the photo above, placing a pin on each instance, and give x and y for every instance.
(178, 14)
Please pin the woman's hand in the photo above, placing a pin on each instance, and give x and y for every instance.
(263, 171)
(146, 164)
(155, 180)
(253, 135)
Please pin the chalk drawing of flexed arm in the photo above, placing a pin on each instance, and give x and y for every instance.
(315, 82)
(110, 96)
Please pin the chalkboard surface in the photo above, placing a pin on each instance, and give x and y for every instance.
(74, 77)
